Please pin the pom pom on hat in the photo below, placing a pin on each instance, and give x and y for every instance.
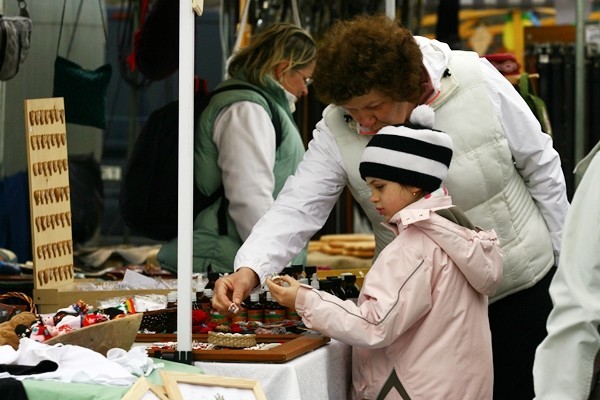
(414, 154)
(422, 115)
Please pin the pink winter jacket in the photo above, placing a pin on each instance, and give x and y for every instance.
(420, 329)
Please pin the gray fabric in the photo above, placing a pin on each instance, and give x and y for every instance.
(456, 215)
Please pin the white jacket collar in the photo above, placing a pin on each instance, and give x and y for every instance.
(436, 56)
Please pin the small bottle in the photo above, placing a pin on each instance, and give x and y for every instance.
(263, 294)
(292, 314)
(297, 271)
(194, 298)
(218, 318)
(256, 309)
(309, 271)
(326, 286)
(172, 299)
(336, 286)
(205, 302)
(201, 281)
(213, 314)
(274, 312)
(212, 278)
(242, 315)
(314, 282)
(352, 290)
(304, 281)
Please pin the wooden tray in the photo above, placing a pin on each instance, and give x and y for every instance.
(292, 347)
(103, 336)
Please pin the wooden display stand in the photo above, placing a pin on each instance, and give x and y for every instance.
(49, 192)
(50, 209)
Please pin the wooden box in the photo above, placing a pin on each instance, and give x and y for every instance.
(50, 300)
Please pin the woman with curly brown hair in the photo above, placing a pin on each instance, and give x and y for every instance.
(505, 174)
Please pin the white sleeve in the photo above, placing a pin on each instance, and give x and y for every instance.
(245, 137)
(301, 209)
(534, 155)
(565, 364)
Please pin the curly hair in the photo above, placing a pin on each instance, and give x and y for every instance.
(368, 52)
(280, 42)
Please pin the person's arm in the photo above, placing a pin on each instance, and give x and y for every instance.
(536, 160)
(245, 137)
(301, 209)
(565, 362)
(396, 294)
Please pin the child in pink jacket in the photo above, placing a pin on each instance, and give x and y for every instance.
(420, 328)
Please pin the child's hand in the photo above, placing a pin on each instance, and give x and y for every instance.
(284, 295)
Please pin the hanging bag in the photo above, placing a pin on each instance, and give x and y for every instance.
(84, 91)
(15, 36)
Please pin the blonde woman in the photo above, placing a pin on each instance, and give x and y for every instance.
(237, 149)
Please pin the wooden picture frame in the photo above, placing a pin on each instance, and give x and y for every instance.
(143, 389)
(181, 386)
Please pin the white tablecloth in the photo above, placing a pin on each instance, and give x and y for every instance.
(322, 374)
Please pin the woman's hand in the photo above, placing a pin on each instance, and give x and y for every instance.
(284, 295)
(233, 289)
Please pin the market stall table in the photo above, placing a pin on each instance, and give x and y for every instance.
(46, 389)
(322, 374)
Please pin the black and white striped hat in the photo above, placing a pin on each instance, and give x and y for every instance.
(412, 154)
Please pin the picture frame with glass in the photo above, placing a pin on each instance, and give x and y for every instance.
(180, 386)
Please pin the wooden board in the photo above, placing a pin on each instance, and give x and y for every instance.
(292, 346)
(550, 34)
(49, 192)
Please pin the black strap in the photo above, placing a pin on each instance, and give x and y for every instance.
(222, 216)
(62, 20)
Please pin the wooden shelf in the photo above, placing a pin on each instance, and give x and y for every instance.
(550, 34)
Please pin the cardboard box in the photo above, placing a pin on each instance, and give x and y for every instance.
(52, 299)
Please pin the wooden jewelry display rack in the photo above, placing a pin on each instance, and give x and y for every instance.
(49, 192)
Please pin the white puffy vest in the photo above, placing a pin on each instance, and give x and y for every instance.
(482, 179)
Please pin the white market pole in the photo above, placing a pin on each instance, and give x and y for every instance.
(185, 181)
(390, 8)
(579, 85)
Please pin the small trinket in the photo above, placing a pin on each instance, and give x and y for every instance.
(233, 308)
